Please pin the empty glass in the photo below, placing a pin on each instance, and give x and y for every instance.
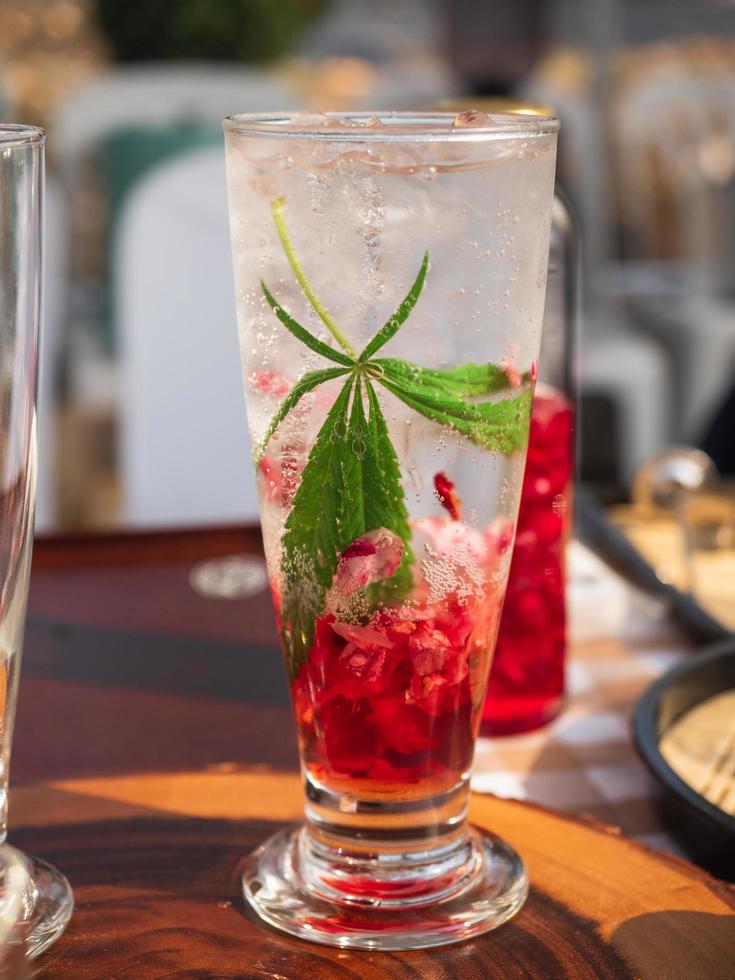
(46, 902)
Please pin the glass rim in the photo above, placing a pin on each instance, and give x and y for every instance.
(18, 134)
(406, 127)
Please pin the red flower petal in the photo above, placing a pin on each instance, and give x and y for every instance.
(448, 497)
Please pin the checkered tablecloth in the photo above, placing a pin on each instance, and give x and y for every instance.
(585, 762)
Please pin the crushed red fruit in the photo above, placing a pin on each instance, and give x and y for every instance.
(270, 383)
(397, 700)
(281, 475)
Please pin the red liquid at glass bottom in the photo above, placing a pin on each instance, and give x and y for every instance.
(526, 687)
(393, 707)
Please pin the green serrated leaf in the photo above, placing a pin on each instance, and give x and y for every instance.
(389, 508)
(356, 451)
(302, 387)
(463, 381)
(400, 316)
(378, 480)
(384, 468)
(316, 532)
(501, 427)
(302, 334)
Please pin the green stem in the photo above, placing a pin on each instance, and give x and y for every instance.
(277, 209)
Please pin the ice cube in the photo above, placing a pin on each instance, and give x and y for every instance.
(470, 117)
(370, 558)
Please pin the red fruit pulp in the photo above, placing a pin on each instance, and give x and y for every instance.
(526, 685)
(393, 706)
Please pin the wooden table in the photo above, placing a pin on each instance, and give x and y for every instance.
(154, 747)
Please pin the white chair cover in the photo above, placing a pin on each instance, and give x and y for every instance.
(185, 451)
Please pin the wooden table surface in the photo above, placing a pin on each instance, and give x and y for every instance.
(154, 747)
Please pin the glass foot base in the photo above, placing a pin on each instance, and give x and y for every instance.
(490, 889)
(36, 902)
(51, 905)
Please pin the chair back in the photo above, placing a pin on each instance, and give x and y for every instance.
(185, 451)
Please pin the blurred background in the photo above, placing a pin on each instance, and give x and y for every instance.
(141, 412)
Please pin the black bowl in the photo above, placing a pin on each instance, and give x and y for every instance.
(704, 830)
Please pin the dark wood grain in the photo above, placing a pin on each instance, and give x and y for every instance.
(158, 894)
(158, 898)
(143, 712)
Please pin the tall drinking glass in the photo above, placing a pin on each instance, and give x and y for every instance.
(47, 903)
(390, 275)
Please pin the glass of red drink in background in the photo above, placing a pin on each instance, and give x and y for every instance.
(526, 686)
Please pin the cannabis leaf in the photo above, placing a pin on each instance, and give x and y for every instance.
(351, 483)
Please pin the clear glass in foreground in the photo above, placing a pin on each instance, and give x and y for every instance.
(390, 278)
(46, 903)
